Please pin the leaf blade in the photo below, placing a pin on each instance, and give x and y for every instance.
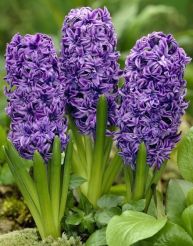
(132, 227)
(185, 156)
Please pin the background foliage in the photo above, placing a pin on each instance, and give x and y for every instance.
(132, 19)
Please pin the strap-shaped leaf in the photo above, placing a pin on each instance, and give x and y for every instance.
(111, 172)
(18, 164)
(185, 156)
(55, 180)
(128, 178)
(26, 185)
(154, 181)
(77, 137)
(95, 185)
(89, 153)
(41, 182)
(107, 152)
(66, 178)
(141, 173)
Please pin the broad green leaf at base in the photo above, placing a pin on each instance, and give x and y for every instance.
(176, 199)
(171, 235)
(185, 156)
(132, 227)
(98, 238)
(187, 218)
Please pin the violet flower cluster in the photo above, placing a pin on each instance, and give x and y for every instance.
(152, 99)
(35, 95)
(89, 64)
(40, 86)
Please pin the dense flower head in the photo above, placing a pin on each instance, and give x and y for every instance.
(89, 64)
(35, 95)
(152, 99)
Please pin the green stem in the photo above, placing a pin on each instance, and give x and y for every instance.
(66, 178)
(141, 171)
(95, 182)
(41, 181)
(155, 179)
(128, 182)
(111, 172)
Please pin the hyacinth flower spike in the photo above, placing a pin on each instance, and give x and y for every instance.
(152, 104)
(38, 130)
(89, 63)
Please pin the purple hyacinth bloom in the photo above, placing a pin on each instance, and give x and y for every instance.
(35, 95)
(152, 99)
(89, 64)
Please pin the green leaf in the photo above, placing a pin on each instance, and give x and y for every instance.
(134, 205)
(74, 219)
(70, 201)
(25, 184)
(78, 141)
(85, 204)
(176, 199)
(66, 177)
(55, 179)
(187, 218)
(132, 227)
(152, 208)
(79, 211)
(141, 173)
(3, 135)
(41, 182)
(88, 222)
(110, 173)
(128, 179)
(96, 177)
(3, 140)
(2, 156)
(118, 190)
(185, 156)
(88, 142)
(17, 166)
(76, 181)
(110, 201)
(153, 183)
(6, 177)
(4, 119)
(103, 217)
(171, 234)
(189, 198)
(98, 238)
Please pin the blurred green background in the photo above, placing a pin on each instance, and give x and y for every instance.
(132, 19)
